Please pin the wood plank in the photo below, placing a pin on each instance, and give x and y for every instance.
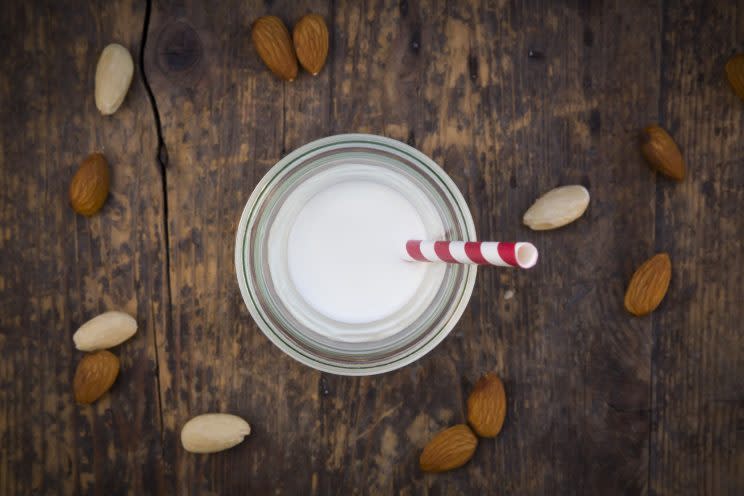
(698, 373)
(58, 269)
(223, 125)
(508, 127)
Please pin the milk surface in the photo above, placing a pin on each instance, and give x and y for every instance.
(344, 251)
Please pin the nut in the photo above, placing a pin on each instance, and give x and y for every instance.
(735, 74)
(449, 449)
(310, 36)
(95, 374)
(213, 432)
(649, 285)
(487, 406)
(662, 153)
(113, 76)
(557, 208)
(105, 331)
(271, 38)
(90, 185)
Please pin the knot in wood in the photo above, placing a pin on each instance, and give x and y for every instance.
(179, 48)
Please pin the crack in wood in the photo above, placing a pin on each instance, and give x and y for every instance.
(162, 158)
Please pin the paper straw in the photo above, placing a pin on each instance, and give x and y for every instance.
(523, 255)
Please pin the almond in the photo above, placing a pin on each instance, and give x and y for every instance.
(113, 76)
(449, 449)
(105, 331)
(271, 38)
(662, 153)
(90, 185)
(487, 406)
(649, 285)
(557, 208)
(735, 73)
(213, 432)
(95, 374)
(310, 36)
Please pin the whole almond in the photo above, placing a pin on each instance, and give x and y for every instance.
(735, 74)
(310, 36)
(649, 285)
(449, 449)
(487, 406)
(662, 153)
(113, 76)
(95, 375)
(213, 432)
(557, 208)
(90, 185)
(271, 38)
(105, 331)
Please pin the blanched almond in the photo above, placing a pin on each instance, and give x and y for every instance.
(213, 432)
(113, 76)
(557, 208)
(105, 331)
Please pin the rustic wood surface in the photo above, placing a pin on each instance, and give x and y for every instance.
(58, 269)
(512, 99)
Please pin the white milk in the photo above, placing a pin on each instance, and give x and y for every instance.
(338, 245)
(344, 251)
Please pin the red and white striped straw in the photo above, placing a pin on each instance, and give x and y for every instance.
(523, 255)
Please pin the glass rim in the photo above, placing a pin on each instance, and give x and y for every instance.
(242, 252)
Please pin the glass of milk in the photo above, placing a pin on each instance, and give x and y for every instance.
(319, 254)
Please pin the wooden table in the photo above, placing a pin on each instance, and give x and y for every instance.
(512, 99)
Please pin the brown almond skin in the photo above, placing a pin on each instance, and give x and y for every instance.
(487, 406)
(449, 449)
(95, 375)
(310, 36)
(271, 38)
(90, 185)
(662, 153)
(735, 74)
(649, 285)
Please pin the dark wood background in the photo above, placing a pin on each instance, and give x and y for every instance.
(599, 402)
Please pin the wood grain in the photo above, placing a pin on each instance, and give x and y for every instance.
(698, 373)
(512, 99)
(58, 269)
(222, 122)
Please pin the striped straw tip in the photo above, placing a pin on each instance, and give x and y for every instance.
(520, 254)
(526, 255)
